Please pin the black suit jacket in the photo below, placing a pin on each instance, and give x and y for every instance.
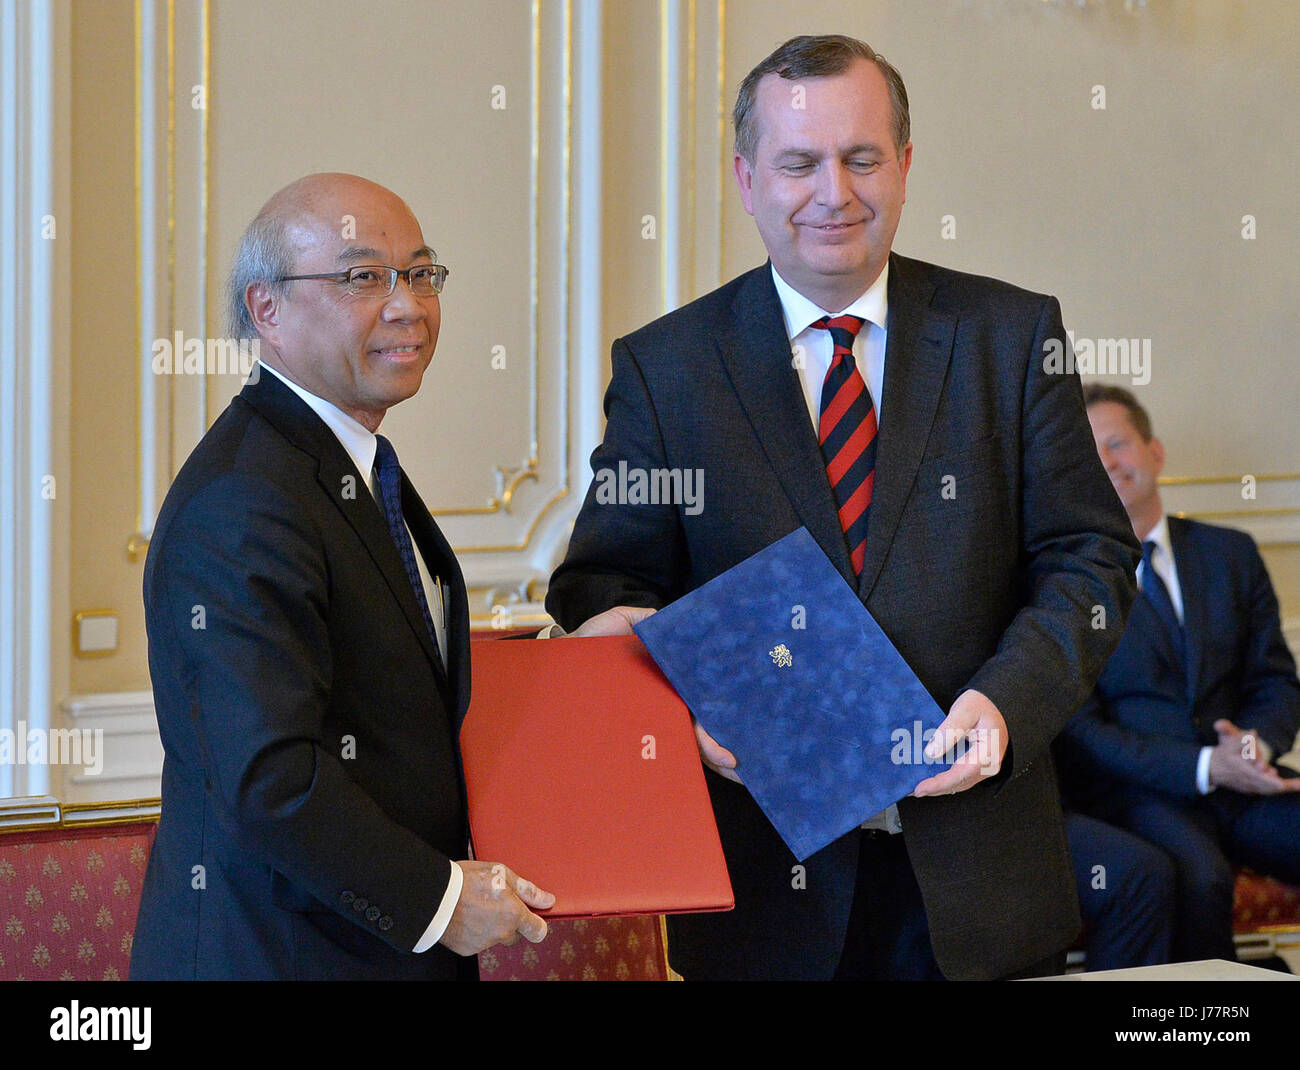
(1144, 725)
(312, 794)
(990, 589)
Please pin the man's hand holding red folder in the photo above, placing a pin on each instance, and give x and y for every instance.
(494, 901)
(493, 909)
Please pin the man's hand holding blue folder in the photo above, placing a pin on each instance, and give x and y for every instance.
(783, 666)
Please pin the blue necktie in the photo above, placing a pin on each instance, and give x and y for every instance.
(1158, 595)
(390, 494)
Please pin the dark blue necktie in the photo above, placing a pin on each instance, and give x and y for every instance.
(1158, 595)
(390, 495)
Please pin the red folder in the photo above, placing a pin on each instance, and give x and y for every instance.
(584, 777)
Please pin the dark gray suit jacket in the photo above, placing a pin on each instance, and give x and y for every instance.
(995, 587)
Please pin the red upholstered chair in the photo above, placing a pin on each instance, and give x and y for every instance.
(1265, 915)
(585, 949)
(69, 895)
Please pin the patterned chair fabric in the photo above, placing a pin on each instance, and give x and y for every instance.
(69, 899)
(1263, 904)
(585, 949)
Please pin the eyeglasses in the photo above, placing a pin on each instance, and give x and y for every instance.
(425, 280)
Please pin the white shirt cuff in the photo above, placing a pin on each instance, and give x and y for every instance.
(1203, 784)
(551, 631)
(449, 900)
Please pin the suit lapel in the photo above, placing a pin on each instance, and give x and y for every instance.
(756, 353)
(1192, 586)
(348, 490)
(441, 562)
(917, 354)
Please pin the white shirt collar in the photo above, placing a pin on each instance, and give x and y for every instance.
(358, 440)
(800, 312)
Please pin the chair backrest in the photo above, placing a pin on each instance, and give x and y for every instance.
(585, 949)
(69, 896)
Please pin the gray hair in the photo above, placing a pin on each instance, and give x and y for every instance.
(263, 256)
(817, 57)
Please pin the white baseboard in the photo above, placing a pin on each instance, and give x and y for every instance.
(132, 749)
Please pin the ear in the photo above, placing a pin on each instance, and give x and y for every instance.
(745, 180)
(1157, 449)
(905, 165)
(264, 310)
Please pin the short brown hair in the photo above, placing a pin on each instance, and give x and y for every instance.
(1097, 393)
(817, 57)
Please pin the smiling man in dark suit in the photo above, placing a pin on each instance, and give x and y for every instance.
(1177, 742)
(309, 638)
(902, 413)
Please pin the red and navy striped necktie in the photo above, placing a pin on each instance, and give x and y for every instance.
(847, 432)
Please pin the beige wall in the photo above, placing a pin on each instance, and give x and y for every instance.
(1131, 215)
(103, 399)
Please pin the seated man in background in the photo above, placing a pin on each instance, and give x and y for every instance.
(1126, 895)
(1177, 741)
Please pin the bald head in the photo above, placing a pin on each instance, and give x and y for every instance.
(289, 288)
(294, 220)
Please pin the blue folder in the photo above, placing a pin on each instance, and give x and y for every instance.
(782, 664)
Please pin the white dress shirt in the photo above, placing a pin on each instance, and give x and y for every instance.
(360, 444)
(816, 350)
(1162, 560)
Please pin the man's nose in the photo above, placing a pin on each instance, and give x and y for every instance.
(402, 303)
(835, 188)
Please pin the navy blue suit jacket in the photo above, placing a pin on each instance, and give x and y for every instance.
(990, 588)
(312, 795)
(1144, 725)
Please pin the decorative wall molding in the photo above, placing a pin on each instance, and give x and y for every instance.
(27, 296)
(132, 749)
(45, 810)
(171, 208)
(1271, 514)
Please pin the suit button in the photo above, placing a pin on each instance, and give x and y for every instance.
(360, 904)
(347, 897)
(372, 914)
(385, 923)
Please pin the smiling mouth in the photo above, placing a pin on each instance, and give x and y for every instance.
(830, 228)
(398, 351)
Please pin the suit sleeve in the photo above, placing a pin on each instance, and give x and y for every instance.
(243, 580)
(1270, 693)
(621, 555)
(1080, 557)
(1097, 748)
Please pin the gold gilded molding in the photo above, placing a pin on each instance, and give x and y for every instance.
(1188, 481)
(528, 535)
(1283, 511)
(508, 479)
(86, 614)
(138, 540)
(722, 129)
(148, 811)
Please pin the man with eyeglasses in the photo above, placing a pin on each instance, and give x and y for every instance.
(309, 638)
